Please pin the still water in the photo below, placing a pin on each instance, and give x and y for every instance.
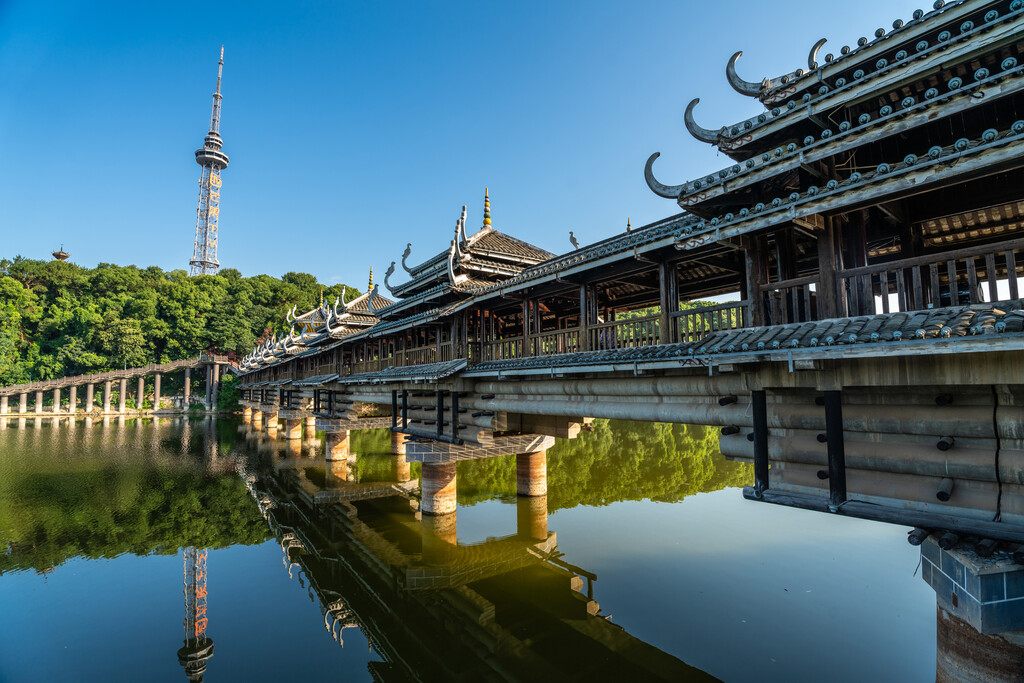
(643, 562)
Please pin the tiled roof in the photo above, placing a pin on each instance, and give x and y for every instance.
(429, 372)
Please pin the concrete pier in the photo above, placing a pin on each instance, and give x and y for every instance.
(400, 469)
(397, 443)
(156, 391)
(216, 381)
(293, 429)
(73, 400)
(438, 489)
(3, 405)
(337, 446)
(336, 473)
(440, 537)
(270, 417)
(247, 415)
(22, 403)
(532, 474)
(106, 397)
(39, 402)
(187, 389)
(122, 396)
(257, 419)
(140, 394)
(963, 654)
(56, 400)
(310, 424)
(90, 396)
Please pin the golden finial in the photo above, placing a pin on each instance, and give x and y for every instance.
(629, 227)
(369, 287)
(487, 208)
(321, 296)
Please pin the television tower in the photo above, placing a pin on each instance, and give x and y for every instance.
(204, 256)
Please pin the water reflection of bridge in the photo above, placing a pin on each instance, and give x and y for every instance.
(504, 609)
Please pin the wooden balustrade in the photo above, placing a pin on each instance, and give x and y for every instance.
(791, 301)
(693, 324)
(625, 334)
(556, 341)
(503, 349)
(954, 278)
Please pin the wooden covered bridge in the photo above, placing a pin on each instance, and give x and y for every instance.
(843, 299)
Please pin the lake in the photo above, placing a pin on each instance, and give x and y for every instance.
(172, 549)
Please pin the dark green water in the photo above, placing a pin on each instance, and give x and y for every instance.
(643, 563)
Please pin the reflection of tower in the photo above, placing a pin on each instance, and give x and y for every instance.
(198, 648)
(204, 256)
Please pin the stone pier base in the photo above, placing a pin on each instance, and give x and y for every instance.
(397, 443)
(400, 469)
(337, 446)
(246, 415)
(310, 422)
(532, 517)
(440, 539)
(336, 473)
(257, 419)
(438, 489)
(532, 474)
(293, 429)
(963, 654)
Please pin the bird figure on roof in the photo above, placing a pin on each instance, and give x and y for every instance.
(573, 241)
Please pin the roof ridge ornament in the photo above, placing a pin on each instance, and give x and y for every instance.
(741, 86)
(458, 249)
(387, 276)
(451, 260)
(666, 191)
(487, 209)
(405, 257)
(369, 287)
(369, 299)
(702, 134)
(812, 57)
(462, 222)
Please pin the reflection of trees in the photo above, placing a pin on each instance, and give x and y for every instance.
(106, 510)
(617, 461)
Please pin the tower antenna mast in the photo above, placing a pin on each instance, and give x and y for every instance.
(213, 160)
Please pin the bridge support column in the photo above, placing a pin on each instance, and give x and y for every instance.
(257, 419)
(337, 446)
(22, 403)
(532, 474)
(156, 391)
(140, 393)
(106, 397)
(215, 386)
(337, 473)
(122, 396)
(3, 405)
(90, 396)
(438, 489)
(56, 401)
(293, 428)
(310, 427)
(246, 415)
(73, 400)
(39, 402)
(397, 443)
(187, 391)
(270, 418)
(532, 517)
(208, 381)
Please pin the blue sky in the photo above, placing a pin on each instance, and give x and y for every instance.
(355, 127)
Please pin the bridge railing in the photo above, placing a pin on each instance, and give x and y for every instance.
(625, 334)
(955, 278)
(569, 340)
(502, 349)
(791, 301)
(693, 324)
(97, 377)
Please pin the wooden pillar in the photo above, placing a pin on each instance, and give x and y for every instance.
(753, 271)
(669, 290)
(526, 328)
(828, 291)
(585, 342)
(122, 396)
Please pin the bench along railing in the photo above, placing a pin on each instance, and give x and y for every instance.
(625, 334)
(503, 349)
(693, 324)
(556, 341)
(954, 278)
(790, 301)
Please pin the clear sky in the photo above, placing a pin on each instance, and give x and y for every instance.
(355, 127)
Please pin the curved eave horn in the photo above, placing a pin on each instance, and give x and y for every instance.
(702, 134)
(387, 277)
(812, 58)
(738, 84)
(405, 255)
(373, 293)
(666, 191)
